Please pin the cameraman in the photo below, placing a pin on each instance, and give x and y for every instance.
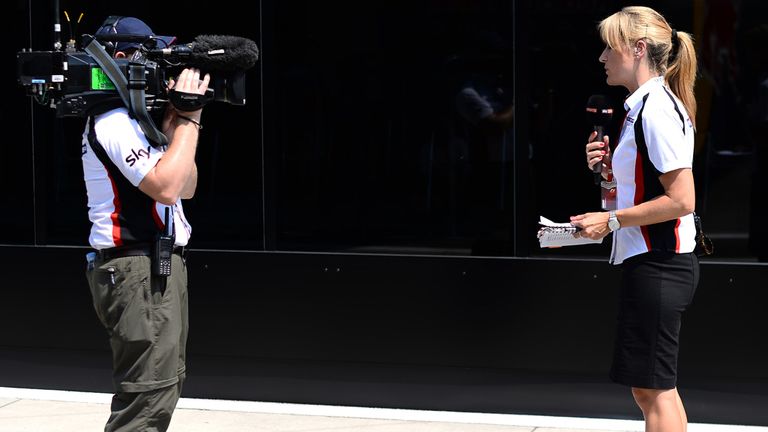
(132, 185)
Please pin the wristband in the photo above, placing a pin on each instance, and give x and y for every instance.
(197, 123)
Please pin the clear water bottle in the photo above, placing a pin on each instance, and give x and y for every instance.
(608, 193)
(90, 257)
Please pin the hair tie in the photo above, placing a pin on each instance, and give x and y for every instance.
(675, 47)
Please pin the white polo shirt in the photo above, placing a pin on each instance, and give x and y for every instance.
(657, 137)
(121, 214)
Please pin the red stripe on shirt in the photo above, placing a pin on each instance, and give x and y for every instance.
(639, 192)
(115, 216)
(677, 235)
(156, 217)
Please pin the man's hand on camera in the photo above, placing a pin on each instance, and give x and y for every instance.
(189, 83)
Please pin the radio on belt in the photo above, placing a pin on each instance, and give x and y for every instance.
(163, 251)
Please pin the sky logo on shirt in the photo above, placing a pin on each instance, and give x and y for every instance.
(135, 156)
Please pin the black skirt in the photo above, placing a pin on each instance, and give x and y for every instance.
(656, 287)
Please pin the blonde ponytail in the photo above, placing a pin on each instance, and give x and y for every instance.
(681, 73)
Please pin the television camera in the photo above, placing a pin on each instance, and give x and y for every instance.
(88, 82)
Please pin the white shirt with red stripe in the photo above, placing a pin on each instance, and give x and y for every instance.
(657, 137)
(128, 149)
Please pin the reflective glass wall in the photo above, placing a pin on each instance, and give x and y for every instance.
(394, 126)
(419, 127)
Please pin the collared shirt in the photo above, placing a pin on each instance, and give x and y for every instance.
(122, 214)
(657, 138)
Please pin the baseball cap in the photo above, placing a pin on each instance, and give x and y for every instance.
(130, 26)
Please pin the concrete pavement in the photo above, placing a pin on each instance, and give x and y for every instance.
(31, 410)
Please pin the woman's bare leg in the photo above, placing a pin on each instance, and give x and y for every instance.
(681, 409)
(661, 409)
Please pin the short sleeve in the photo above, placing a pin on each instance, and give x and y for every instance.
(126, 145)
(668, 137)
(472, 106)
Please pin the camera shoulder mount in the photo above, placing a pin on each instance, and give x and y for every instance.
(130, 89)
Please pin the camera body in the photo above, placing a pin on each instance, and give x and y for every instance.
(75, 85)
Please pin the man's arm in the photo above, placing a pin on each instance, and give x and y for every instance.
(498, 121)
(473, 108)
(175, 173)
(191, 185)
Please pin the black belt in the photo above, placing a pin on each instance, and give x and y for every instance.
(139, 249)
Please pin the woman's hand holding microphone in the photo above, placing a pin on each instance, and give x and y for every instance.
(594, 225)
(599, 152)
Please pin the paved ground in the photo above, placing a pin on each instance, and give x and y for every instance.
(47, 416)
(27, 410)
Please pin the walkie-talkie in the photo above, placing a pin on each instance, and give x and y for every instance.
(163, 251)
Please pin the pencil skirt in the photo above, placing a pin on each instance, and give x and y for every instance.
(656, 288)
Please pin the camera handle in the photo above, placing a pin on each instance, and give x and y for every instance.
(132, 93)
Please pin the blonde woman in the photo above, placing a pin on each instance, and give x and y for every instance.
(653, 225)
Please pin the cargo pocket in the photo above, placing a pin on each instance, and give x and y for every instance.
(129, 322)
(102, 281)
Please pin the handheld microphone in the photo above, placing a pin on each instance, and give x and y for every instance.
(212, 53)
(599, 114)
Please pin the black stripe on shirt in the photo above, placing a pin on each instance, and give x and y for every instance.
(661, 236)
(136, 222)
(674, 104)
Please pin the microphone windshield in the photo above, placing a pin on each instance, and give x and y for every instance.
(599, 110)
(224, 53)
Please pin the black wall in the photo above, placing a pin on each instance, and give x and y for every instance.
(477, 334)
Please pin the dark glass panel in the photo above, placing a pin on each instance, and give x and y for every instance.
(394, 126)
